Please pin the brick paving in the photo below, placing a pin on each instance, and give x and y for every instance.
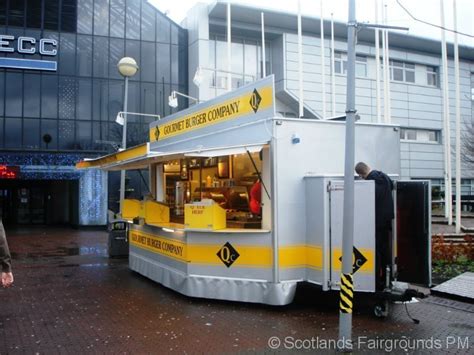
(70, 298)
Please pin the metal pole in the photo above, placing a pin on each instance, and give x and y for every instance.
(229, 50)
(387, 62)
(347, 288)
(333, 74)
(458, 122)
(124, 144)
(445, 145)
(385, 73)
(300, 62)
(264, 60)
(447, 126)
(323, 64)
(377, 64)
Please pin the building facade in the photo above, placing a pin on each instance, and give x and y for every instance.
(415, 77)
(60, 92)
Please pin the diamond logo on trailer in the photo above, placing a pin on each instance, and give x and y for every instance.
(359, 260)
(228, 254)
(157, 133)
(255, 100)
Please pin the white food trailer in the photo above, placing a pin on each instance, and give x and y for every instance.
(195, 233)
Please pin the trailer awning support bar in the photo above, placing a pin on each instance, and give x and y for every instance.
(258, 174)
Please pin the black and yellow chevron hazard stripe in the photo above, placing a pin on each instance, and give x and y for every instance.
(347, 293)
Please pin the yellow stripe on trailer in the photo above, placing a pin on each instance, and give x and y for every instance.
(301, 256)
(249, 256)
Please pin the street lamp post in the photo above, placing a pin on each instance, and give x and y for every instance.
(347, 284)
(127, 67)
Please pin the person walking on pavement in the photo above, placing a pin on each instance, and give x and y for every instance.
(5, 259)
(384, 214)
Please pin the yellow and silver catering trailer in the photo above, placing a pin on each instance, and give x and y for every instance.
(196, 233)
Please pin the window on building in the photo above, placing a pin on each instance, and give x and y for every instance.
(101, 17)
(467, 186)
(402, 71)
(117, 18)
(68, 15)
(361, 66)
(31, 133)
(133, 20)
(33, 14)
(51, 15)
(14, 94)
(409, 73)
(84, 55)
(31, 101)
(3, 14)
(246, 62)
(148, 23)
(251, 60)
(101, 57)
(16, 13)
(432, 76)
(49, 96)
(163, 63)
(340, 64)
(67, 55)
(85, 12)
(420, 135)
(14, 129)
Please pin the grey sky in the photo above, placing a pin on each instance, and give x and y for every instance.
(427, 10)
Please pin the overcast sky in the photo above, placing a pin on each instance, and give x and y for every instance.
(427, 10)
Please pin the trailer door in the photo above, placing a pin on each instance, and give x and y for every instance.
(364, 234)
(413, 231)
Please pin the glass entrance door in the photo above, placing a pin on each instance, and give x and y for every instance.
(30, 205)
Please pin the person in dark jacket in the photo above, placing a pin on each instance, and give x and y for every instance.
(384, 213)
(5, 259)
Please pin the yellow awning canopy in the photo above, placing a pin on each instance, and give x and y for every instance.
(137, 157)
(140, 157)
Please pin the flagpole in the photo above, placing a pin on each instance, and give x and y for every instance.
(264, 69)
(300, 62)
(229, 49)
(458, 122)
(323, 64)
(377, 64)
(333, 74)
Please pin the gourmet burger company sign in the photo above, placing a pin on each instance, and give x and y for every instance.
(46, 47)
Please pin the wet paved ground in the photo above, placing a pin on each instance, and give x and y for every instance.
(69, 298)
(440, 224)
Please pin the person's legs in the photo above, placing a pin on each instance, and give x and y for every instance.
(382, 258)
(6, 278)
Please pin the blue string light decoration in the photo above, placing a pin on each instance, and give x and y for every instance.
(61, 166)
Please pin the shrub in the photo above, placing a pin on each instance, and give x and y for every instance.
(451, 252)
